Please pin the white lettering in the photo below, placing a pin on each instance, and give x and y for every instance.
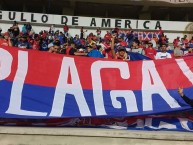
(157, 34)
(146, 35)
(184, 123)
(5, 63)
(140, 35)
(96, 81)
(129, 97)
(148, 123)
(64, 88)
(148, 89)
(16, 93)
(185, 69)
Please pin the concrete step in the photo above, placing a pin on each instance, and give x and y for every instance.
(90, 136)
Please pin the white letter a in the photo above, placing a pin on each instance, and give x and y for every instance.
(64, 88)
(148, 89)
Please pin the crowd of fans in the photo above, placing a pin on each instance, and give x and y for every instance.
(114, 45)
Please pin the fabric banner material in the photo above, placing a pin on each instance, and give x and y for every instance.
(167, 122)
(37, 84)
(176, 1)
(171, 1)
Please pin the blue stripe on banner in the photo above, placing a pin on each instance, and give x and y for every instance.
(136, 56)
(40, 99)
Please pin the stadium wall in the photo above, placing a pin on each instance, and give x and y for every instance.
(43, 22)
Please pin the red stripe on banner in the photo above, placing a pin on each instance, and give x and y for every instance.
(170, 73)
(44, 69)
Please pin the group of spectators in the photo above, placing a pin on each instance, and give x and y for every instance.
(114, 45)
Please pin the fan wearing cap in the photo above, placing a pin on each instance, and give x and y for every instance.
(121, 54)
(51, 48)
(121, 41)
(6, 40)
(150, 51)
(23, 43)
(93, 51)
(108, 47)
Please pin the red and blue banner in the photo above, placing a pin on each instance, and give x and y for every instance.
(37, 84)
(180, 122)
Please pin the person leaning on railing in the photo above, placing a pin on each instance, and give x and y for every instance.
(184, 97)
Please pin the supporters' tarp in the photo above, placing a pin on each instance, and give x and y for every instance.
(171, 1)
(44, 85)
(163, 122)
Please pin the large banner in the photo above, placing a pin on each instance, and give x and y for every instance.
(43, 85)
(175, 1)
(171, 1)
(159, 122)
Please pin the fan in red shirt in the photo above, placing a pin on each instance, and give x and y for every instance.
(176, 41)
(107, 36)
(121, 54)
(121, 41)
(66, 29)
(162, 40)
(6, 41)
(185, 41)
(150, 51)
(107, 49)
(90, 36)
(36, 43)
